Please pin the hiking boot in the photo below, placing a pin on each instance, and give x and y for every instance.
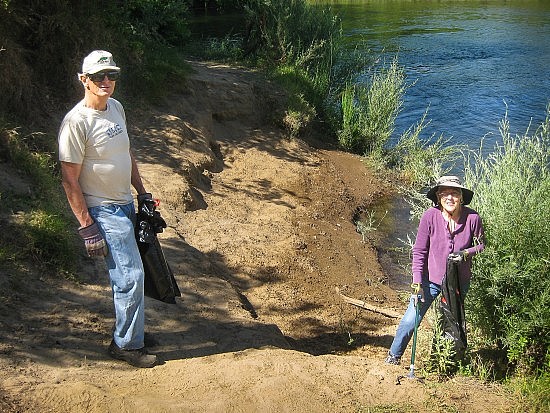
(137, 358)
(391, 359)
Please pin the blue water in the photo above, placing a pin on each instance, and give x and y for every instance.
(472, 61)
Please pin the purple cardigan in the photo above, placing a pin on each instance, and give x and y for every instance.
(434, 243)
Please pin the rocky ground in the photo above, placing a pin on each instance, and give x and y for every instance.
(260, 234)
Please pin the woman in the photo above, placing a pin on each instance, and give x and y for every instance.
(449, 229)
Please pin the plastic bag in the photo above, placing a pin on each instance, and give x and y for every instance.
(159, 282)
(453, 319)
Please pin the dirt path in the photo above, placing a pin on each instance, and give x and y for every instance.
(260, 235)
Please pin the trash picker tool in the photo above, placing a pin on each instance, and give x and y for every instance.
(413, 354)
(412, 374)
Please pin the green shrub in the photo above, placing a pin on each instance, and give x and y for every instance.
(348, 136)
(532, 393)
(369, 111)
(510, 295)
(290, 32)
(36, 224)
(297, 39)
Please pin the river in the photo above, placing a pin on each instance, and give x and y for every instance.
(470, 61)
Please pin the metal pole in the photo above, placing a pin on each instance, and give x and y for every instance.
(416, 320)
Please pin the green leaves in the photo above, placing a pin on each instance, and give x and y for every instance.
(511, 288)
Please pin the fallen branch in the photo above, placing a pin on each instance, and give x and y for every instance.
(362, 304)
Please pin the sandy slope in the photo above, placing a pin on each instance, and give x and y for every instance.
(260, 234)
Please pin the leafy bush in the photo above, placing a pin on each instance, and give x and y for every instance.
(48, 39)
(298, 39)
(532, 393)
(290, 32)
(162, 20)
(510, 295)
(369, 111)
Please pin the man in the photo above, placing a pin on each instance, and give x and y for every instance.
(97, 170)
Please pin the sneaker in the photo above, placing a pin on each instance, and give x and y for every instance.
(391, 359)
(137, 358)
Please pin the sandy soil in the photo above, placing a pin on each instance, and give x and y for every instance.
(260, 234)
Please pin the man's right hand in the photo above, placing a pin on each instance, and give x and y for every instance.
(94, 241)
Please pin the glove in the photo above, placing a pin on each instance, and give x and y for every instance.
(149, 221)
(146, 198)
(459, 256)
(146, 205)
(94, 241)
(418, 293)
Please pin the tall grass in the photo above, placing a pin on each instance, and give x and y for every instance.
(34, 217)
(297, 43)
(532, 393)
(377, 104)
(510, 295)
(290, 32)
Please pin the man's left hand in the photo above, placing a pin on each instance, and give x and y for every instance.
(147, 196)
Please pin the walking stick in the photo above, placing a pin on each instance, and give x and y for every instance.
(416, 318)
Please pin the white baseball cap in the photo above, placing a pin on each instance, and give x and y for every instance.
(97, 61)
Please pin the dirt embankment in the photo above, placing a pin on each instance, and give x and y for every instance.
(260, 235)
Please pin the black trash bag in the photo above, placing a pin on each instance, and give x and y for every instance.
(451, 306)
(159, 282)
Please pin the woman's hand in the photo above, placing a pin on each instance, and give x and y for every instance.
(459, 256)
(418, 293)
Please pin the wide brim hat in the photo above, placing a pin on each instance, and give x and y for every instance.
(452, 182)
(97, 61)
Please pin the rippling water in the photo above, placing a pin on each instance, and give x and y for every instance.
(471, 60)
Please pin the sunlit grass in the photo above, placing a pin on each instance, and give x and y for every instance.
(35, 223)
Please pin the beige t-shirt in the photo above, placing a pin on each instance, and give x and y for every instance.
(98, 140)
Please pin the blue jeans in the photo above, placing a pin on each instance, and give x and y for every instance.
(405, 330)
(116, 223)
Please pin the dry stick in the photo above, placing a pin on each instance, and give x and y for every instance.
(362, 304)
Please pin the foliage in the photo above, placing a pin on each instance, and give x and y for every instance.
(302, 98)
(290, 32)
(349, 134)
(300, 42)
(45, 42)
(421, 161)
(510, 295)
(160, 20)
(442, 359)
(369, 111)
(227, 49)
(532, 393)
(39, 228)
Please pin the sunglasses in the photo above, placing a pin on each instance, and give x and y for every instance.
(98, 77)
(453, 192)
